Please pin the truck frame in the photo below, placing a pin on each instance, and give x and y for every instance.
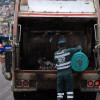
(36, 31)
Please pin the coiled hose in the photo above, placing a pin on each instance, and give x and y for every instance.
(79, 61)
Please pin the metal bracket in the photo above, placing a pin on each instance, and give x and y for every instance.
(19, 33)
(97, 46)
(95, 31)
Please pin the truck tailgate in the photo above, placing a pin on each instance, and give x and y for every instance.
(62, 6)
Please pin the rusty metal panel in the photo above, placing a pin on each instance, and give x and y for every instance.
(26, 76)
(35, 76)
(16, 17)
(91, 76)
(47, 85)
(47, 77)
(62, 6)
(37, 80)
(24, 2)
(98, 6)
(40, 37)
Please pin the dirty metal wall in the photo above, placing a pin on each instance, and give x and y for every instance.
(40, 36)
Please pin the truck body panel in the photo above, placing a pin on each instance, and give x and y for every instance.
(37, 79)
(38, 26)
(59, 6)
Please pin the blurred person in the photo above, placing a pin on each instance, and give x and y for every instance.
(64, 76)
(1, 58)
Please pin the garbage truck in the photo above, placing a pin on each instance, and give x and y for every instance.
(38, 26)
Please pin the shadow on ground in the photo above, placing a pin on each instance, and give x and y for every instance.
(52, 96)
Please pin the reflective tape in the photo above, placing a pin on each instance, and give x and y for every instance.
(69, 92)
(59, 96)
(70, 97)
(62, 55)
(63, 64)
(63, 67)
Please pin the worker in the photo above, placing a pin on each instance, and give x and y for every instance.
(64, 76)
(1, 59)
(1, 48)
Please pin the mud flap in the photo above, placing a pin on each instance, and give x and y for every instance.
(7, 75)
(7, 65)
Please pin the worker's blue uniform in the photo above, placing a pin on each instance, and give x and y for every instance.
(65, 77)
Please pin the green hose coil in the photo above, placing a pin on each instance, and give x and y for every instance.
(79, 62)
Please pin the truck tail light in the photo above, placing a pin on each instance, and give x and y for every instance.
(25, 83)
(19, 83)
(90, 83)
(96, 83)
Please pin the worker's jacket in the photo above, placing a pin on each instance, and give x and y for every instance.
(63, 57)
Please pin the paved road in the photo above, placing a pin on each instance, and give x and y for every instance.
(5, 88)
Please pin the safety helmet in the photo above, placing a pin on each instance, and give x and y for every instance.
(61, 43)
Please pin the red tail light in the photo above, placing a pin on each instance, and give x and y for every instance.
(96, 83)
(25, 83)
(19, 83)
(90, 83)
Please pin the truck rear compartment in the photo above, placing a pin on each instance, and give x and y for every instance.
(39, 39)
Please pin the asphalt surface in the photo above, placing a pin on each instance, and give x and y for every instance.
(6, 94)
(5, 88)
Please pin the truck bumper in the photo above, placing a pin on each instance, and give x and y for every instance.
(38, 80)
